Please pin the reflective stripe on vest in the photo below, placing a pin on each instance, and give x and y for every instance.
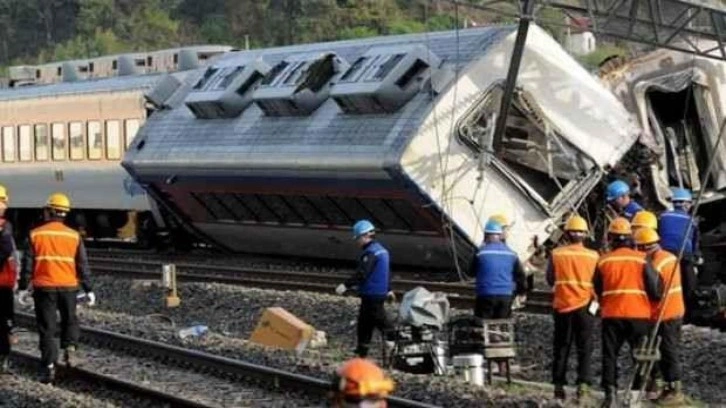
(666, 265)
(624, 295)
(54, 248)
(574, 267)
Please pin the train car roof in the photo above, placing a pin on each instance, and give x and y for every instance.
(89, 86)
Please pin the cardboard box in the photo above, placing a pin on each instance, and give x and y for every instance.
(280, 328)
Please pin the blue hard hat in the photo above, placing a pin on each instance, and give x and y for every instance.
(493, 227)
(681, 194)
(362, 227)
(617, 189)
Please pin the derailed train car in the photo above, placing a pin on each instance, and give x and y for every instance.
(278, 151)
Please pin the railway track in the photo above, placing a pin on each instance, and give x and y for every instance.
(459, 294)
(202, 362)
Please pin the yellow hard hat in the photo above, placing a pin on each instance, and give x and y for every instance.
(620, 226)
(362, 378)
(3, 194)
(646, 236)
(59, 201)
(576, 223)
(645, 219)
(500, 218)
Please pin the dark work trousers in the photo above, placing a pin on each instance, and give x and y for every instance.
(372, 315)
(493, 307)
(615, 332)
(47, 301)
(689, 283)
(670, 351)
(7, 317)
(575, 326)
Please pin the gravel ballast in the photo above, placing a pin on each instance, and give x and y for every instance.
(232, 312)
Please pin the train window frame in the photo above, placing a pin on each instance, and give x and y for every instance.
(37, 146)
(128, 141)
(8, 133)
(89, 149)
(119, 139)
(29, 140)
(82, 147)
(64, 137)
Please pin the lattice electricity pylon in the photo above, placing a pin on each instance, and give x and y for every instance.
(691, 26)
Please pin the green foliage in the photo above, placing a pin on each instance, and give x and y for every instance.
(594, 59)
(357, 32)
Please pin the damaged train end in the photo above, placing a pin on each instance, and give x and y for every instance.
(679, 101)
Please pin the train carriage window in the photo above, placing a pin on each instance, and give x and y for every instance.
(113, 140)
(75, 132)
(25, 143)
(8, 144)
(41, 142)
(95, 142)
(131, 128)
(58, 136)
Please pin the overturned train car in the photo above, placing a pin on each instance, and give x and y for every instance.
(278, 151)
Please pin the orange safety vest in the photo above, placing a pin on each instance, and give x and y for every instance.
(574, 266)
(624, 295)
(9, 269)
(666, 264)
(54, 248)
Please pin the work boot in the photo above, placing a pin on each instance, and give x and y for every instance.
(583, 393)
(560, 392)
(4, 365)
(47, 374)
(611, 398)
(69, 356)
(653, 389)
(672, 395)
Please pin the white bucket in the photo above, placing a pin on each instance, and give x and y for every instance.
(470, 366)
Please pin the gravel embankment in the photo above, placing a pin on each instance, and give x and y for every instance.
(232, 313)
(201, 388)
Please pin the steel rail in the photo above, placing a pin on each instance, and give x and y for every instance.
(210, 363)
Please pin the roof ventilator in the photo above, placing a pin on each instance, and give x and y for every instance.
(224, 91)
(127, 65)
(384, 79)
(164, 89)
(298, 85)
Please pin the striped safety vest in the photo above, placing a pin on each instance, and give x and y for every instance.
(666, 265)
(54, 248)
(624, 295)
(574, 267)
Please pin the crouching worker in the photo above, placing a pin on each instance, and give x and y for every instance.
(372, 281)
(360, 383)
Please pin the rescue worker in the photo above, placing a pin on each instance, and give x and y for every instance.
(360, 383)
(8, 280)
(571, 270)
(672, 309)
(502, 219)
(644, 219)
(499, 275)
(626, 286)
(679, 229)
(618, 196)
(372, 280)
(55, 263)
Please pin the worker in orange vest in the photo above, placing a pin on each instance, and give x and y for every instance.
(56, 263)
(571, 271)
(627, 287)
(360, 383)
(671, 310)
(8, 280)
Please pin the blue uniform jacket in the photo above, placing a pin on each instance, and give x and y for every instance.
(498, 271)
(631, 209)
(373, 274)
(672, 228)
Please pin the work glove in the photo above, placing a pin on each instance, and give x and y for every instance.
(519, 302)
(89, 298)
(698, 261)
(24, 297)
(390, 296)
(341, 289)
